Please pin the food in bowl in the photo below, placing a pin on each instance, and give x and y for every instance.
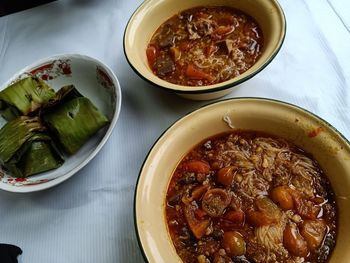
(204, 46)
(274, 118)
(248, 196)
(41, 122)
(148, 17)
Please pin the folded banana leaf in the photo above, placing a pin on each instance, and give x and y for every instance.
(64, 94)
(74, 122)
(26, 148)
(24, 97)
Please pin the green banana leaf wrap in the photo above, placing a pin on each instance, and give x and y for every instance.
(26, 148)
(24, 97)
(74, 122)
(64, 94)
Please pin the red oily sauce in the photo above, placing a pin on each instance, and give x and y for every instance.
(204, 46)
(250, 197)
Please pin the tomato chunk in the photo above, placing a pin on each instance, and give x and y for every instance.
(225, 176)
(236, 217)
(197, 226)
(193, 72)
(197, 166)
(151, 53)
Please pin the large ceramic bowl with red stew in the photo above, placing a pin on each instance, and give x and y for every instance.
(201, 49)
(246, 180)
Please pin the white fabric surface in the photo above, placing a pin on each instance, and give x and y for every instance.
(89, 218)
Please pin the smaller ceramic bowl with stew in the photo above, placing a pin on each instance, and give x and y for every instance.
(207, 47)
(305, 130)
(93, 80)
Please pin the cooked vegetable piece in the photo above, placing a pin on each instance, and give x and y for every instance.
(24, 97)
(197, 166)
(198, 227)
(26, 149)
(234, 244)
(236, 217)
(225, 176)
(193, 72)
(74, 122)
(281, 195)
(215, 202)
(151, 53)
(294, 242)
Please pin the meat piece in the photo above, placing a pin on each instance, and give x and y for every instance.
(305, 208)
(313, 232)
(164, 66)
(167, 41)
(200, 27)
(266, 212)
(294, 242)
(215, 202)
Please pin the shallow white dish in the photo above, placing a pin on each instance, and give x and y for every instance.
(93, 80)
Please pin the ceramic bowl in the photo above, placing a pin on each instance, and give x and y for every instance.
(95, 81)
(152, 13)
(295, 124)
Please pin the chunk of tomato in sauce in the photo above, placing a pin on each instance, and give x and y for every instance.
(193, 72)
(196, 166)
(151, 53)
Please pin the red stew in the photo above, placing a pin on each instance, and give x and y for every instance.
(250, 197)
(204, 45)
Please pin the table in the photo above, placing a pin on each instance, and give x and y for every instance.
(89, 218)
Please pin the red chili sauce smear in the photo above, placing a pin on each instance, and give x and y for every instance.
(250, 197)
(204, 45)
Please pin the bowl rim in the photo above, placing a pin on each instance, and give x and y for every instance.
(116, 109)
(210, 104)
(207, 89)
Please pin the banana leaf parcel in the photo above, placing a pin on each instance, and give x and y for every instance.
(74, 121)
(24, 97)
(26, 148)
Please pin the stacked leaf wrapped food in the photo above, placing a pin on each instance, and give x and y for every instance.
(26, 147)
(73, 119)
(24, 97)
(42, 124)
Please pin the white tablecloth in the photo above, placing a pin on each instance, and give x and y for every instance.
(89, 218)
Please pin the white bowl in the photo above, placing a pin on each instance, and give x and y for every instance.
(95, 81)
(329, 148)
